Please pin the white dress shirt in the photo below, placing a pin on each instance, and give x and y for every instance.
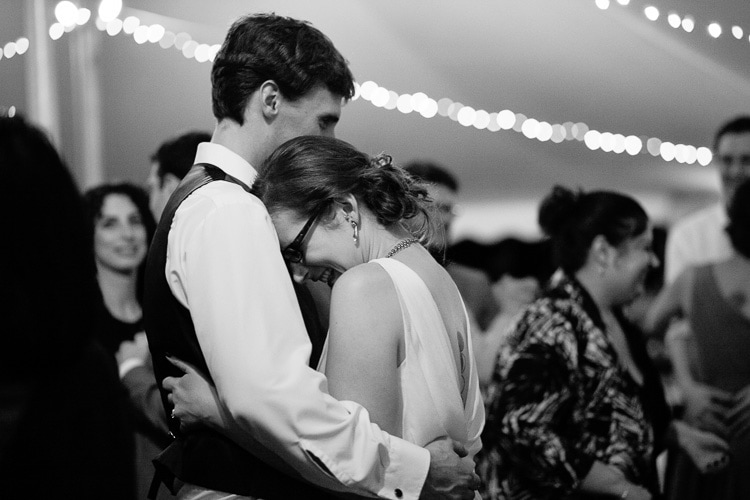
(225, 267)
(697, 239)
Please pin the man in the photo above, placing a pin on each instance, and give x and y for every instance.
(219, 296)
(474, 285)
(700, 237)
(169, 165)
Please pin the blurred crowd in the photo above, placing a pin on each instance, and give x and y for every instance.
(612, 355)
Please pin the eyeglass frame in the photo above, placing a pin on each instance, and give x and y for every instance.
(292, 253)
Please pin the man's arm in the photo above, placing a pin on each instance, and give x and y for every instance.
(252, 336)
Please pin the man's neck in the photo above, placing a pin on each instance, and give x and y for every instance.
(240, 139)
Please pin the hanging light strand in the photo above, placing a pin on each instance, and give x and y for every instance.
(529, 127)
(686, 22)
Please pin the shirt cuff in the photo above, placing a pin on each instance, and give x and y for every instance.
(128, 365)
(406, 472)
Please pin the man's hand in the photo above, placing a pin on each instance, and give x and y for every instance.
(451, 475)
(134, 349)
(706, 408)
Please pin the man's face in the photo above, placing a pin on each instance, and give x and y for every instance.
(445, 202)
(158, 191)
(733, 158)
(315, 113)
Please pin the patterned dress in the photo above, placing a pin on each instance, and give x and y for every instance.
(560, 400)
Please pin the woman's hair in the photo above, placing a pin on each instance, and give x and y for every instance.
(573, 219)
(308, 172)
(94, 200)
(518, 259)
(738, 228)
(48, 278)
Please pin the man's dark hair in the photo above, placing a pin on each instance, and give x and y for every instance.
(176, 155)
(264, 47)
(737, 125)
(432, 173)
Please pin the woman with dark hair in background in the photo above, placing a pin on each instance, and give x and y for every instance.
(122, 227)
(714, 299)
(515, 268)
(63, 430)
(399, 341)
(576, 409)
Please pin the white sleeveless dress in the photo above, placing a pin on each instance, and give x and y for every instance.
(438, 399)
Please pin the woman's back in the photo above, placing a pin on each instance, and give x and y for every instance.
(430, 373)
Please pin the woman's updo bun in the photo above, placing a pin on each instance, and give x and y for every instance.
(573, 219)
(557, 210)
(389, 191)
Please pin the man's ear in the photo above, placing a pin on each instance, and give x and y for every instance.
(170, 182)
(270, 97)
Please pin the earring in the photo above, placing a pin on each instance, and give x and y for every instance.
(355, 234)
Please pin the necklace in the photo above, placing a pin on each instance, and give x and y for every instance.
(400, 246)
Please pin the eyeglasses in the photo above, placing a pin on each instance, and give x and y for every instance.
(293, 251)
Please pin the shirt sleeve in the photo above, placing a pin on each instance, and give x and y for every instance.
(253, 338)
(532, 411)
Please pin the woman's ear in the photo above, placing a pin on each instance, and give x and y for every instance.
(602, 253)
(349, 207)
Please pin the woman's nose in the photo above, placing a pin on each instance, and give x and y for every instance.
(299, 272)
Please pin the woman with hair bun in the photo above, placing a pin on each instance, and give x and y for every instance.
(575, 408)
(399, 341)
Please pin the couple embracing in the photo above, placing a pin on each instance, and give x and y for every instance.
(393, 410)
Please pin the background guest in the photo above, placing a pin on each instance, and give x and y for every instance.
(122, 228)
(575, 406)
(62, 429)
(515, 270)
(442, 187)
(169, 165)
(714, 299)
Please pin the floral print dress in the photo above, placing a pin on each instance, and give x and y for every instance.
(560, 400)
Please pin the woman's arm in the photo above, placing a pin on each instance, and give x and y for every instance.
(669, 304)
(365, 335)
(610, 482)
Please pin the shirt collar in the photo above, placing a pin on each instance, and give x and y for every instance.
(227, 160)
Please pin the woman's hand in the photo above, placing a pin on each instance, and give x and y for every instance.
(708, 452)
(193, 397)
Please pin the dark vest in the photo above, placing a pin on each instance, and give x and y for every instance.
(206, 458)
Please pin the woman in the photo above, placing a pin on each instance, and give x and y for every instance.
(714, 300)
(399, 341)
(62, 431)
(122, 228)
(514, 269)
(575, 408)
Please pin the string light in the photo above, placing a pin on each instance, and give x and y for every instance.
(531, 128)
(686, 22)
(467, 116)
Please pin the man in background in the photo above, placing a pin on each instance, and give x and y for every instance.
(700, 238)
(169, 165)
(472, 283)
